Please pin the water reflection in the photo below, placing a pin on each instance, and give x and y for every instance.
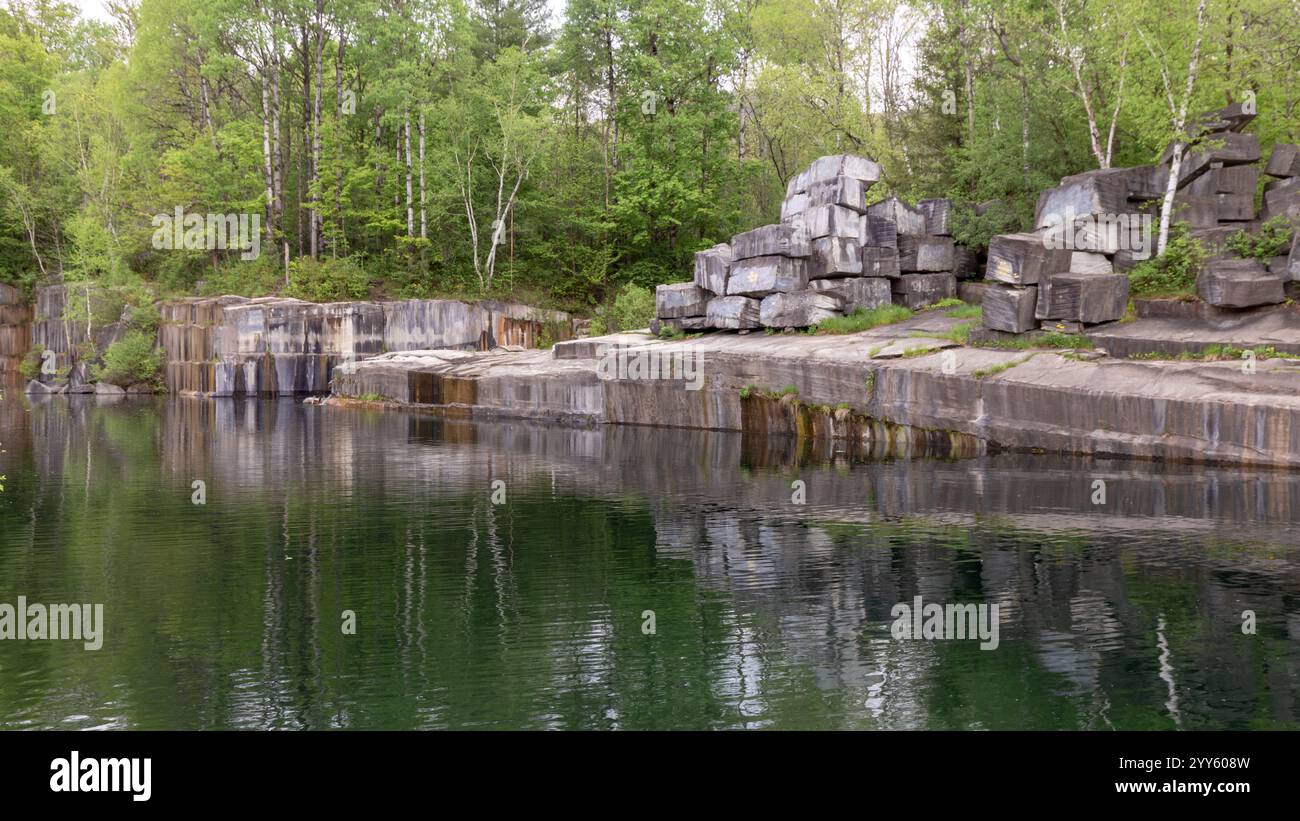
(531, 613)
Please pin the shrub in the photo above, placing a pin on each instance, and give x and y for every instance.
(1173, 273)
(130, 360)
(633, 308)
(1272, 240)
(327, 280)
(30, 367)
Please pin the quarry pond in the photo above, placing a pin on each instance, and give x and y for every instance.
(270, 564)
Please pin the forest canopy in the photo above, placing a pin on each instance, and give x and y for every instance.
(410, 148)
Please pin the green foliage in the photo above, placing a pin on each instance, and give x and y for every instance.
(863, 320)
(30, 367)
(131, 360)
(633, 308)
(1051, 339)
(1273, 239)
(1174, 272)
(329, 280)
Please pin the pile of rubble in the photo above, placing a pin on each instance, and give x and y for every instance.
(830, 255)
(1069, 272)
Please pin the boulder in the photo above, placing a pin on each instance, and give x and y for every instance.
(925, 253)
(857, 292)
(877, 231)
(831, 221)
(787, 240)
(1228, 148)
(880, 262)
(1086, 298)
(799, 309)
(38, 388)
(826, 169)
(734, 313)
(907, 220)
(1238, 283)
(711, 268)
(1284, 161)
(105, 389)
(847, 192)
(680, 299)
(937, 213)
(760, 276)
(917, 291)
(1010, 308)
(1022, 259)
(835, 257)
(1232, 117)
(1282, 198)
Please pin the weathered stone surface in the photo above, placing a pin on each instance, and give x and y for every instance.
(1145, 182)
(1126, 260)
(1022, 259)
(831, 221)
(711, 268)
(1237, 179)
(793, 206)
(937, 213)
(760, 276)
(1216, 238)
(826, 169)
(835, 257)
(1238, 283)
(787, 240)
(685, 324)
(926, 254)
(1096, 192)
(1196, 211)
(907, 220)
(1235, 207)
(1293, 259)
(1061, 326)
(1010, 308)
(1232, 117)
(734, 313)
(1087, 298)
(847, 192)
(916, 291)
(972, 292)
(1086, 262)
(105, 389)
(965, 262)
(1282, 199)
(857, 292)
(799, 309)
(880, 262)
(1228, 148)
(877, 231)
(37, 388)
(1284, 161)
(680, 299)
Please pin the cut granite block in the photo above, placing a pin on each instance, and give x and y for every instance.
(1235, 207)
(1094, 192)
(1282, 199)
(937, 212)
(770, 240)
(1238, 283)
(1237, 179)
(1086, 298)
(1228, 148)
(1086, 262)
(760, 276)
(1232, 117)
(826, 169)
(680, 299)
(793, 207)
(1022, 259)
(878, 231)
(1010, 308)
(846, 192)
(799, 309)
(685, 324)
(857, 292)
(880, 262)
(1196, 211)
(734, 313)
(916, 291)
(835, 257)
(1284, 161)
(831, 221)
(965, 262)
(711, 268)
(927, 254)
(907, 220)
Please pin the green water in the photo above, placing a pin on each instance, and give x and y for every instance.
(532, 613)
